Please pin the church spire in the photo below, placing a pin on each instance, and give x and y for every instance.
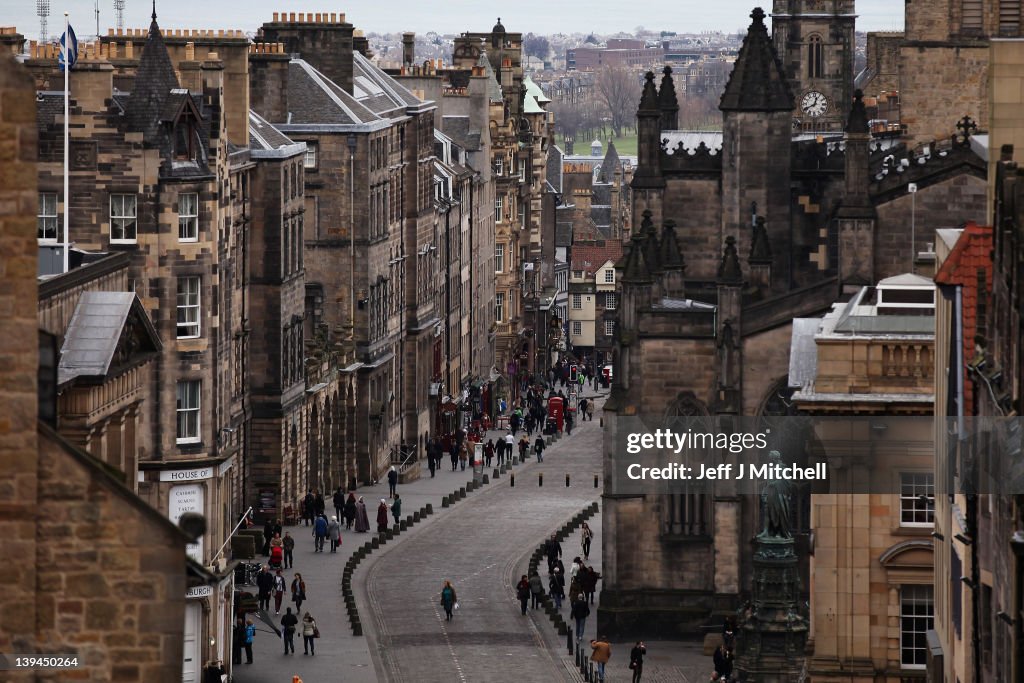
(857, 122)
(729, 271)
(667, 101)
(649, 98)
(757, 81)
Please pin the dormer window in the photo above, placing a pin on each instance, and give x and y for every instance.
(185, 140)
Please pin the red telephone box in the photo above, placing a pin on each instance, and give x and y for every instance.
(556, 410)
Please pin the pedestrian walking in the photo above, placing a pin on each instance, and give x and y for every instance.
(454, 452)
(524, 448)
(288, 543)
(580, 611)
(250, 635)
(601, 652)
(583, 409)
(289, 621)
(538, 447)
(279, 587)
(488, 452)
(396, 509)
(382, 516)
(500, 450)
(237, 641)
(392, 481)
(298, 592)
(590, 410)
(334, 533)
(586, 536)
(510, 445)
(318, 502)
(553, 550)
(319, 533)
(448, 600)
(723, 662)
(536, 590)
(729, 633)
(309, 634)
(268, 534)
(568, 423)
(463, 455)
(265, 584)
(309, 507)
(556, 587)
(362, 520)
(588, 581)
(339, 503)
(636, 660)
(523, 593)
(350, 511)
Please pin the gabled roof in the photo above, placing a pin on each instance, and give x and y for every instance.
(378, 91)
(493, 87)
(314, 98)
(611, 163)
(267, 141)
(590, 257)
(757, 81)
(97, 327)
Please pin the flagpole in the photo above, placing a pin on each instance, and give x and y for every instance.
(66, 47)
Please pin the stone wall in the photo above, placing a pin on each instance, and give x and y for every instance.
(694, 204)
(18, 325)
(883, 63)
(930, 110)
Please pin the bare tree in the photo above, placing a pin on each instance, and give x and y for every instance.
(536, 46)
(618, 90)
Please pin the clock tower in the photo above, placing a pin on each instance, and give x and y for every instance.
(815, 40)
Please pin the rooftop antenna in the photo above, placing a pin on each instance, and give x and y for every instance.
(43, 10)
(96, 9)
(119, 13)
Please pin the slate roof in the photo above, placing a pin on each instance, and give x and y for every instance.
(314, 98)
(154, 81)
(590, 257)
(458, 129)
(758, 81)
(610, 163)
(94, 332)
(376, 90)
(493, 87)
(553, 171)
(803, 352)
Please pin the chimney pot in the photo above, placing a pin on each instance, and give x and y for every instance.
(334, 17)
(275, 17)
(291, 17)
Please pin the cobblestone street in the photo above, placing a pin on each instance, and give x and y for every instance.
(482, 544)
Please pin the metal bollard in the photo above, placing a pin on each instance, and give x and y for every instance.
(592, 676)
(568, 640)
(586, 671)
(595, 481)
(540, 479)
(566, 480)
(512, 479)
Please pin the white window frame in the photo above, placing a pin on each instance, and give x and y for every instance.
(499, 307)
(188, 223)
(499, 166)
(499, 258)
(309, 159)
(577, 328)
(912, 508)
(609, 328)
(609, 276)
(123, 219)
(577, 302)
(189, 299)
(498, 205)
(610, 302)
(188, 431)
(916, 598)
(43, 217)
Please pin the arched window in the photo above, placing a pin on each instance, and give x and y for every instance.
(815, 59)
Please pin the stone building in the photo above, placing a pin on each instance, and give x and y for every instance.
(734, 250)
(369, 213)
(593, 304)
(469, 100)
(520, 139)
(869, 577)
(64, 510)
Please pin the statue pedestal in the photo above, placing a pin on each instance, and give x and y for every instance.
(772, 633)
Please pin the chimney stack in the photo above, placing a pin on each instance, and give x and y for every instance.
(408, 48)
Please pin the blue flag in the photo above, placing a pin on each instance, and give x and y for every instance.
(69, 46)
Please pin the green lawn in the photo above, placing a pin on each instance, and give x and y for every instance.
(625, 145)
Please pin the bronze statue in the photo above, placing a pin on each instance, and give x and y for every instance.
(776, 504)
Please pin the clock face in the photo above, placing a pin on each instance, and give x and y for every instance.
(813, 103)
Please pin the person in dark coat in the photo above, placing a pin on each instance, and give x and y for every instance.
(556, 587)
(588, 582)
(448, 600)
(536, 590)
(723, 662)
(268, 534)
(636, 660)
(488, 452)
(580, 612)
(362, 519)
(288, 623)
(454, 453)
(319, 504)
(309, 507)
(265, 584)
(553, 550)
(288, 543)
(319, 533)
(538, 447)
(523, 592)
(392, 480)
(382, 516)
(350, 510)
(339, 503)
(431, 462)
(396, 508)
(237, 641)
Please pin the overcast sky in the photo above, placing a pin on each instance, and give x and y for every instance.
(443, 16)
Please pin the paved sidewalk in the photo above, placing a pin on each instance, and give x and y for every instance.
(339, 654)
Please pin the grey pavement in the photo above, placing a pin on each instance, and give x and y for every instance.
(482, 544)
